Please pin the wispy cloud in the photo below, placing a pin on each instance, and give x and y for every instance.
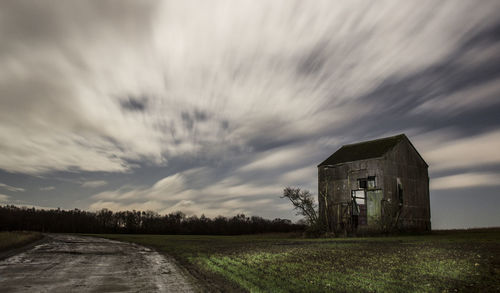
(94, 183)
(279, 158)
(11, 188)
(466, 180)
(445, 152)
(477, 96)
(228, 196)
(47, 188)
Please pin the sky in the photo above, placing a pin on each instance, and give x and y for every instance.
(213, 107)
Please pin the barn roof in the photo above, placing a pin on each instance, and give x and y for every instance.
(363, 150)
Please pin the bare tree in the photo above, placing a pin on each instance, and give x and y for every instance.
(303, 202)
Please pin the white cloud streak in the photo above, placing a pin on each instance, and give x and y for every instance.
(478, 96)
(228, 196)
(445, 152)
(279, 158)
(466, 180)
(11, 188)
(94, 184)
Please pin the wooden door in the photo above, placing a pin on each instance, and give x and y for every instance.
(373, 206)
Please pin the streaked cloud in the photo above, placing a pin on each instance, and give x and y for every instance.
(11, 188)
(94, 184)
(298, 176)
(228, 196)
(278, 158)
(47, 188)
(137, 86)
(448, 153)
(466, 180)
(477, 96)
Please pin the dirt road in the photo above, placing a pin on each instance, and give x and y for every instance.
(68, 263)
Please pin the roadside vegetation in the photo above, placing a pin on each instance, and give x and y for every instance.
(11, 240)
(439, 262)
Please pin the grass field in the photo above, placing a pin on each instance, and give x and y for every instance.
(10, 240)
(440, 262)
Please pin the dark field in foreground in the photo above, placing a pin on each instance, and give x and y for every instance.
(442, 261)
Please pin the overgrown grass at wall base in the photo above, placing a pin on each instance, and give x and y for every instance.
(468, 261)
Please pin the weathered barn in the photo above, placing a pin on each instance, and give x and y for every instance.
(379, 185)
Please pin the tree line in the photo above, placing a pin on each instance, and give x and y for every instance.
(136, 222)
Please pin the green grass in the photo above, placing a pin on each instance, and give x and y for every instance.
(440, 262)
(10, 240)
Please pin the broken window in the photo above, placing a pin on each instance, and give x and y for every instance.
(371, 182)
(362, 183)
(359, 196)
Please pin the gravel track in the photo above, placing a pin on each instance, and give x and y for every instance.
(69, 263)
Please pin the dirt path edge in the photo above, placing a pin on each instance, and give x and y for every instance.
(17, 250)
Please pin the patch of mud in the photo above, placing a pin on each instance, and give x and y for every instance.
(68, 263)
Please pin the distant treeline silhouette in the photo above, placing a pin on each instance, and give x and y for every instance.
(135, 222)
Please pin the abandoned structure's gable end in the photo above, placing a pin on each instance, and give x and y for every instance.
(379, 185)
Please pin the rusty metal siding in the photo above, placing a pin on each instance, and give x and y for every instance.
(413, 174)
